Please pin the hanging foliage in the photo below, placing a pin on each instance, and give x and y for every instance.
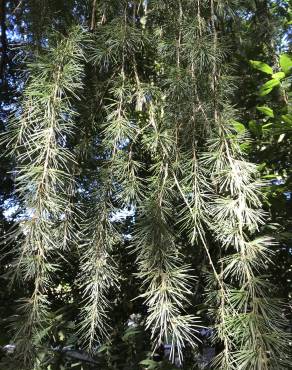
(142, 207)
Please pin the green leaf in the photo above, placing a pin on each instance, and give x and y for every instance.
(239, 127)
(266, 126)
(271, 176)
(261, 66)
(266, 111)
(286, 63)
(265, 92)
(268, 87)
(278, 75)
(287, 118)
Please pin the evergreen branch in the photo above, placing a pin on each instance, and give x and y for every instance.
(43, 174)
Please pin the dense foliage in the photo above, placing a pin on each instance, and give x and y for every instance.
(146, 188)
